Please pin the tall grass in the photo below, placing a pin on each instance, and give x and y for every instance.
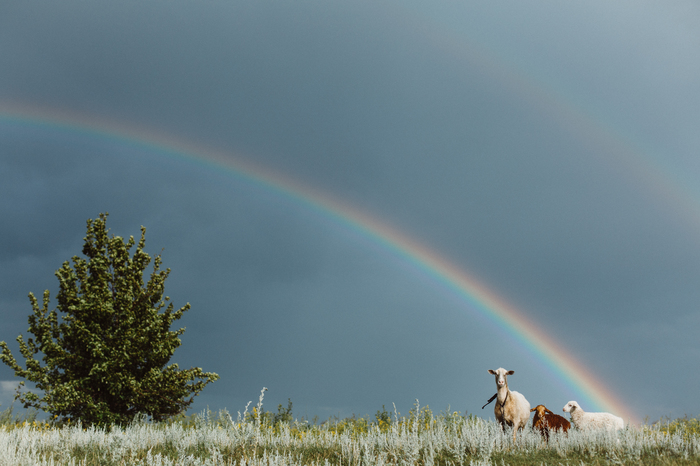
(420, 438)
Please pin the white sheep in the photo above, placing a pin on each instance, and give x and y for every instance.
(511, 408)
(583, 420)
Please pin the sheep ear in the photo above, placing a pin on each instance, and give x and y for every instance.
(548, 411)
(533, 409)
(510, 372)
(492, 372)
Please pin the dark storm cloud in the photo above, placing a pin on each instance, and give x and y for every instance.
(384, 106)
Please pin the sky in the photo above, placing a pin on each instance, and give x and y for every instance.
(374, 202)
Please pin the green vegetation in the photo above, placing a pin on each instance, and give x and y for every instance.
(114, 399)
(106, 361)
(260, 438)
(685, 426)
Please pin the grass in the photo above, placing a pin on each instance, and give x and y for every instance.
(257, 438)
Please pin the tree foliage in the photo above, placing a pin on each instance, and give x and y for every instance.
(107, 359)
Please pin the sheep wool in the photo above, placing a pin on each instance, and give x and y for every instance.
(584, 421)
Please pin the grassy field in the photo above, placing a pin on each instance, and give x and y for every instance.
(421, 438)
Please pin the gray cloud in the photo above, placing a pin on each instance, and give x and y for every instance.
(479, 130)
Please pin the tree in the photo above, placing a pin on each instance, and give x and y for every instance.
(106, 361)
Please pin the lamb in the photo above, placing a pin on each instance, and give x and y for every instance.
(583, 420)
(511, 408)
(545, 420)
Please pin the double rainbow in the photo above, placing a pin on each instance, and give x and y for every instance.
(476, 295)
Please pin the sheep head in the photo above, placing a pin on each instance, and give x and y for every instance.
(541, 409)
(570, 407)
(501, 376)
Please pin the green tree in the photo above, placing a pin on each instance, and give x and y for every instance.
(107, 359)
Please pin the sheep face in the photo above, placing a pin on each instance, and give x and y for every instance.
(570, 407)
(541, 409)
(501, 376)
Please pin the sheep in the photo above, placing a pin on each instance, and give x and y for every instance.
(544, 420)
(511, 408)
(583, 420)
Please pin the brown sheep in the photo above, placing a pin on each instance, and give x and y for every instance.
(544, 420)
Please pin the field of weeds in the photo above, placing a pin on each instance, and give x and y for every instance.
(418, 439)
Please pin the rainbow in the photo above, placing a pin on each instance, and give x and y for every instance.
(467, 287)
(588, 127)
